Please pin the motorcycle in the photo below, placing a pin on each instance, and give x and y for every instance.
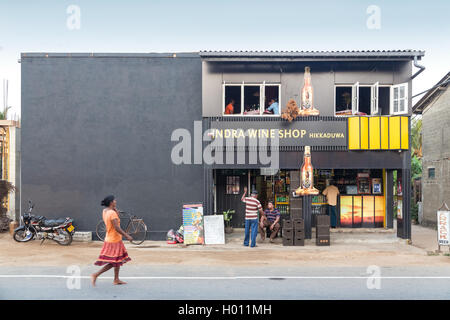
(60, 230)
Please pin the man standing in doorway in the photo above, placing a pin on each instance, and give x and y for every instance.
(252, 206)
(331, 192)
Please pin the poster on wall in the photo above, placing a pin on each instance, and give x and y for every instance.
(443, 225)
(193, 224)
(214, 229)
(399, 209)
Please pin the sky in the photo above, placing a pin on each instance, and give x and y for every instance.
(187, 26)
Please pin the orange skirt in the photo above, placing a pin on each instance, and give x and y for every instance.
(113, 253)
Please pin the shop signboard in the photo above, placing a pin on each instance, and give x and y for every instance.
(214, 229)
(193, 224)
(298, 133)
(443, 226)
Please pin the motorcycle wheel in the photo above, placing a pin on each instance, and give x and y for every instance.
(20, 235)
(68, 238)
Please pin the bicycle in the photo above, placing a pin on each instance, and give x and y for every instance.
(135, 227)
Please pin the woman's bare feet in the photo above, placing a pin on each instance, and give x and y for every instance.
(93, 279)
(118, 282)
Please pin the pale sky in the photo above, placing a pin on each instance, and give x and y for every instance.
(177, 26)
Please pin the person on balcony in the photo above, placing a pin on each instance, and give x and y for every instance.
(229, 109)
(273, 107)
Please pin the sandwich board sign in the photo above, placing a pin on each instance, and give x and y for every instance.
(443, 226)
(193, 224)
(214, 229)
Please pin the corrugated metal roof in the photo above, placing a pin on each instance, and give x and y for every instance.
(362, 54)
(437, 89)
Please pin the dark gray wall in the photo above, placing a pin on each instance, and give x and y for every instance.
(93, 126)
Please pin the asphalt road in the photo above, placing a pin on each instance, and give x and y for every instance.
(206, 283)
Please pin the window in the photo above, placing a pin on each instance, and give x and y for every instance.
(371, 99)
(399, 96)
(251, 99)
(431, 173)
(232, 185)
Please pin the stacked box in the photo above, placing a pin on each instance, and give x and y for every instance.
(296, 207)
(288, 235)
(299, 232)
(322, 230)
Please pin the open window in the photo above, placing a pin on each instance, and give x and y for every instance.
(399, 98)
(374, 90)
(232, 99)
(271, 99)
(251, 99)
(343, 100)
(384, 100)
(371, 99)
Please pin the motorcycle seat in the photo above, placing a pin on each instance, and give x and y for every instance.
(53, 222)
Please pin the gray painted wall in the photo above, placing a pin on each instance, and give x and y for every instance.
(436, 154)
(93, 126)
(324, 76)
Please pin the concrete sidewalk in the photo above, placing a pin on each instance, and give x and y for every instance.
(351, 247)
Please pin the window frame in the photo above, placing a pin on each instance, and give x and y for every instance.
(405, 99)
(262, 95)
(374, 101)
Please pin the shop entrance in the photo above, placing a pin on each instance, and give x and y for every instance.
(271, 186)
(361, 202)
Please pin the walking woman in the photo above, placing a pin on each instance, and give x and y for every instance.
(113, 254)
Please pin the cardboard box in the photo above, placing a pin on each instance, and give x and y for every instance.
(287, 224)
(322, 220)
(288, 241)
(288, 233)
(298, 223)
(322, 231)
(299, 233)
(323, 241)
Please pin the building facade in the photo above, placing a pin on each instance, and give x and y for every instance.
(146, 128)
(435, 110)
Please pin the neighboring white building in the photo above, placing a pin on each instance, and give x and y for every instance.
(10, 163)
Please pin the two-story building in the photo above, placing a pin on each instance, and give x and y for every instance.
(144, 127)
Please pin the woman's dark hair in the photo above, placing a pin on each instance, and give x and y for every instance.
(107, 201)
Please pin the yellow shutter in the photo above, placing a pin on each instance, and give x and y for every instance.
(384, 133)
(353, 133)
(374, 133)
(364, 133)
(394, 133)
(405, 133)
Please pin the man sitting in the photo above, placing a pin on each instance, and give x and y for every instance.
(271, 219)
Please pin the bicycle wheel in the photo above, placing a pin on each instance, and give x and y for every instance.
(100, 230)
(137, 230)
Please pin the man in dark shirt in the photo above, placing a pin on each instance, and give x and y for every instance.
(270, 219)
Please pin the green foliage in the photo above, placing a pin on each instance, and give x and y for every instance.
(4, 114)
(416, 137)
(227, 216)
(416, 167)
(414, 210)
